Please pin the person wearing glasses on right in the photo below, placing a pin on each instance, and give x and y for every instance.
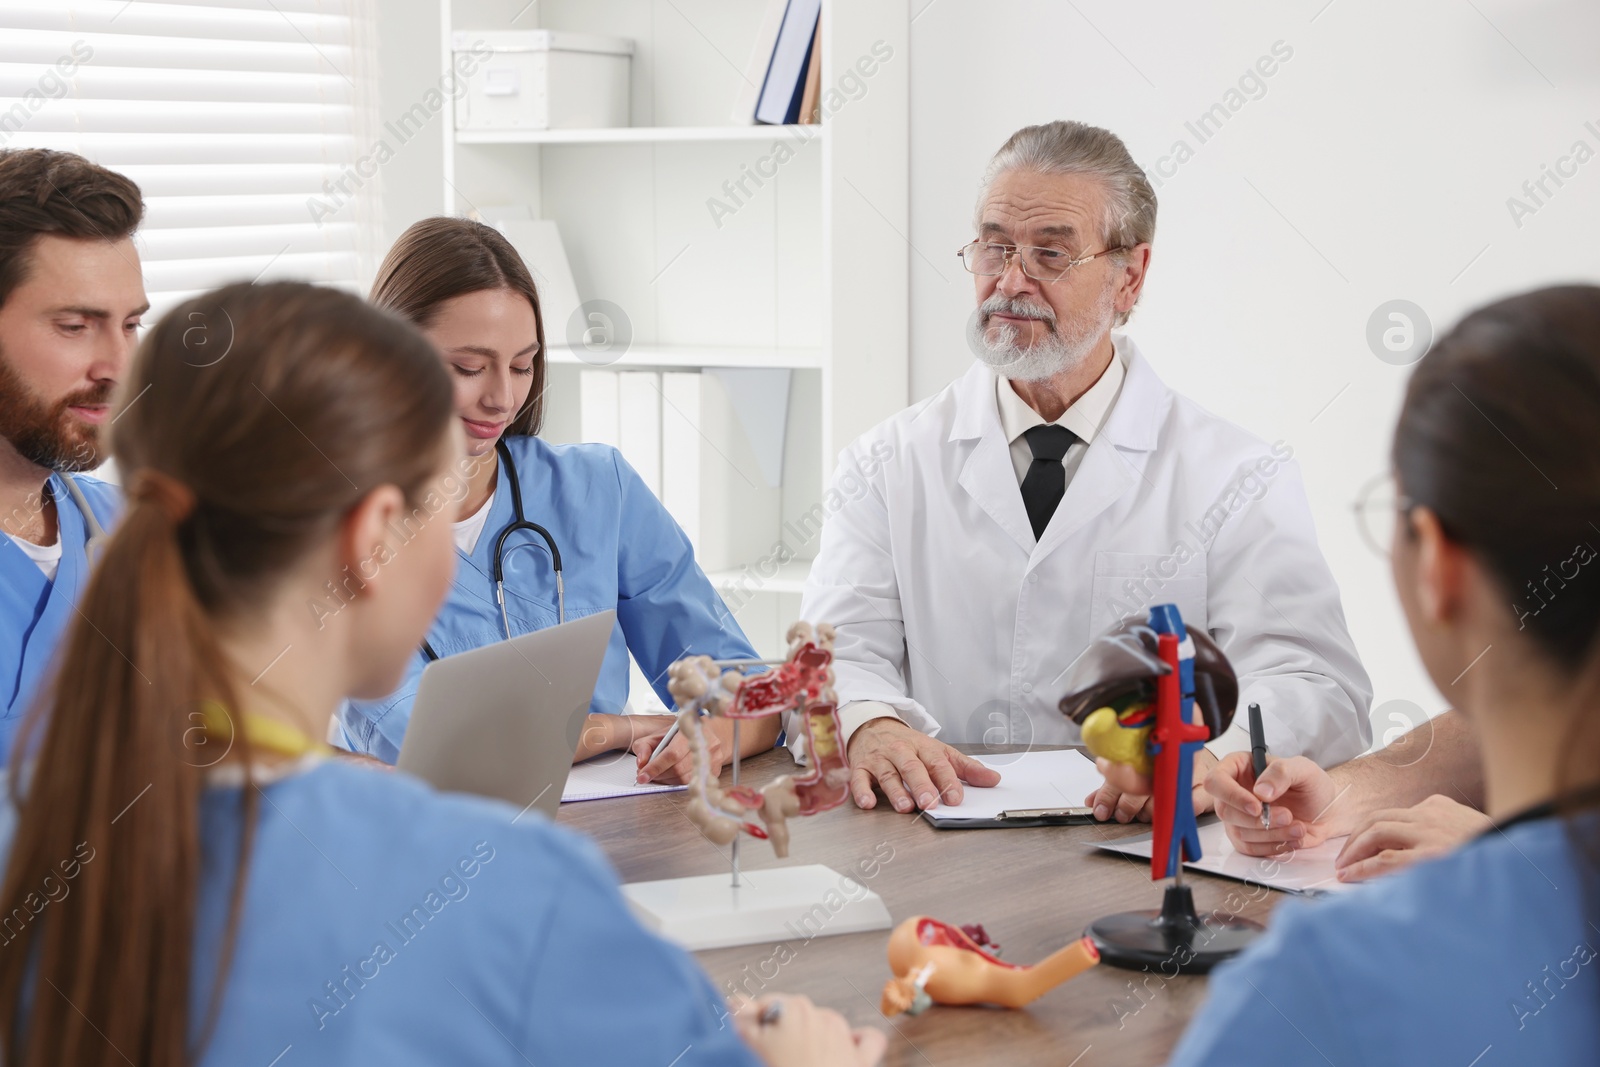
(1417, 798)
(1486, 955)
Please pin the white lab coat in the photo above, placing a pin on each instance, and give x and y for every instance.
(950, 612)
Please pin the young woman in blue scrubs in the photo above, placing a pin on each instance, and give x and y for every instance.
(1489, 954)
(187, 880)
(466, 288)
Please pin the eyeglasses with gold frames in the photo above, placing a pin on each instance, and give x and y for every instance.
(1378, 510)
(988, 259)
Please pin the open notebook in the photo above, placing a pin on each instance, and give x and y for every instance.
(1309, 871)
(610, 775)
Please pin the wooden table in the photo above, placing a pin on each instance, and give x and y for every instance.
(1033, 890)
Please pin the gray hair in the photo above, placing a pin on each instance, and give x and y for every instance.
(1064, 147)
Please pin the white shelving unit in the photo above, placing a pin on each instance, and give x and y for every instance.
(790, 580)
(629, 135)
(770, 255)
(687, 356)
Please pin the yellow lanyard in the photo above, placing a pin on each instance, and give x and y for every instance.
(264, 734)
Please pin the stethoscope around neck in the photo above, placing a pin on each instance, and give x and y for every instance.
(95, 536)
(498, 571)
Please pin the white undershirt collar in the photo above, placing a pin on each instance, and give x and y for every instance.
(1086, 415)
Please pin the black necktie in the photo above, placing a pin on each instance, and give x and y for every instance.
(1046, 480)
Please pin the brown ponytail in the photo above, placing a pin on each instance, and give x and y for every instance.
(254, 418)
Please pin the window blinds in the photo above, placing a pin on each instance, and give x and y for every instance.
(243, 121)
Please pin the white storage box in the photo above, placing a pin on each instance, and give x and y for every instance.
(541, 79)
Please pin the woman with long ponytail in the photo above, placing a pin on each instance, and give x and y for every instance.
(187, 878)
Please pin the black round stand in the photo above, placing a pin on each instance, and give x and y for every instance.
(1174, 940)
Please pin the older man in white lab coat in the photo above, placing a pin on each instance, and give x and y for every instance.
(1055, 487)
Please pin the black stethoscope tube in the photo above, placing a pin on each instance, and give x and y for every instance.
(519, 522)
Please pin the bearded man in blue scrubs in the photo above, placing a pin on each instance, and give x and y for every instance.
(71, 296)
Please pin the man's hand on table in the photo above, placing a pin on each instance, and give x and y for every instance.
(913, 769)
(1125, 796)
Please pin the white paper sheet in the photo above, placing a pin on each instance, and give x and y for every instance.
(1309, 870)
(1028, 780)
(610, 775)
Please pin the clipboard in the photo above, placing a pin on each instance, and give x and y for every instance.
(1043, 787)
(1014, 820)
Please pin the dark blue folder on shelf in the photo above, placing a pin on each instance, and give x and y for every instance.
(786, 74)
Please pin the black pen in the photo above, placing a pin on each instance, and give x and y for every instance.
(1258, 757)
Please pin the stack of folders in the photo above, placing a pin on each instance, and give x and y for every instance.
(783, 80)
(683, 433)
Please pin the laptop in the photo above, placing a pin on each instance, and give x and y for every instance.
(504, 721)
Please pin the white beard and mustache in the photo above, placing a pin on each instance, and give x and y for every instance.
(1064, 347)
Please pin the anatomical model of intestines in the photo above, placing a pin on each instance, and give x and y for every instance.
(936, 963)
(802, 683)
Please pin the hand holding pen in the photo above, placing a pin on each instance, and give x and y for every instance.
(1272, 807)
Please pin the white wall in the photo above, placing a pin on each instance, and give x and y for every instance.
(410, 65)
(1376, 165)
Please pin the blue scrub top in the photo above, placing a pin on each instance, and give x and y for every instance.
(387, 923)
(620, 549)
(35, 612)
(1485, 956)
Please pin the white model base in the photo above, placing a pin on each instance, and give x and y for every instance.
(775, 904)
